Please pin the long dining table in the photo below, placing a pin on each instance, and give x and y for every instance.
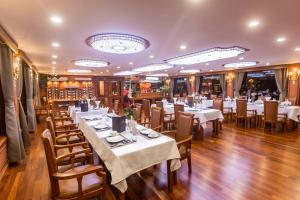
(128, 158)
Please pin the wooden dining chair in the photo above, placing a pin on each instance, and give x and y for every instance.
(62, 121)
(61, 150)
(272, 118)
(218, 105)
(156, 119)
(177, 108)
(243, 114)
(76, 182)
(168, 119)
(137, 112)
(117, 106)
(183, 136)
(62, 137)
(146, 110)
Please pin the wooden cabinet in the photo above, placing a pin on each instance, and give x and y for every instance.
(3, 155)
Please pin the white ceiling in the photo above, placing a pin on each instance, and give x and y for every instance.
(167, 24)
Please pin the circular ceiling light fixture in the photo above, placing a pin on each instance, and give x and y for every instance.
(118, 43)
(189, 71)
(240, 64)
(90, 63)
(153, 67)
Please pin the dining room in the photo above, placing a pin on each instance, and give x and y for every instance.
(133, 100)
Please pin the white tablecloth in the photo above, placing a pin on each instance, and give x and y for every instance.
(129, 159)
(204, 115)
(76, 114)
(291, 111)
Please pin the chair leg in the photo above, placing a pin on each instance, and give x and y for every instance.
(189, 163)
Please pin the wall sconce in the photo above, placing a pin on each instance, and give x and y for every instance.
(294, 75)
(192, 78)
(229, 78)
(16, 69)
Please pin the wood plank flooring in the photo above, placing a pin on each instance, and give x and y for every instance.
(239, 164)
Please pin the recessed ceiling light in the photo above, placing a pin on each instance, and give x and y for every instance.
(101, 72)
(207, 55)
(53, 67)
(183, 47)
(126, 73)
(151, 56)
(253, 24)
(55, 44)
(53, 62)
(130, 63)
(54, 56)
(206, 64)
(90, 63)
(118, 43)
(211, 70)
(181, 67)
(56, 19)
(118, 67)
(165, 70)
(159, 75)
(153, 67)
(281, 39)
(189, 71)
(297, 49)
(241, 58)
(107, 70)
(240, 64)
(79, 70)
(267, 64)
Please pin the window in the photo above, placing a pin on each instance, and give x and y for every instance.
(180, 87)
(210, 85)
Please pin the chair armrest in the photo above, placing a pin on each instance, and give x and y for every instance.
(89, 170)
(185, 140)
(63, 118)
(169, 133)
(68, 131)
(66, 126)
(73, 154)
(67, 136)
(70, 145)
(158, 128)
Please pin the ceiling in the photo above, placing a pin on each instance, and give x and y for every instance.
(167, 24)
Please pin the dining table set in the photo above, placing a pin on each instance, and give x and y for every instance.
(285, 107)
(128, 152)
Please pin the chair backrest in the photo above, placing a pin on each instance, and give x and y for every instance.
(146, 107)
(160, 104)
(243, 97)
(293, 100)
(184, 130)
(116, 106)
(51, 129)
(241, 108)
(218, 104)
(177, 108)
(50, 154)
(156, 117)
(271, 111)
(137, 112)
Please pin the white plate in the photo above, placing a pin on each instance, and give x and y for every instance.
(100, 126)
(146, 131)
(153, 135)
(114, 139)
(88, 117)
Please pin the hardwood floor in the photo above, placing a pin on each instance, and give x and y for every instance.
(239, 164)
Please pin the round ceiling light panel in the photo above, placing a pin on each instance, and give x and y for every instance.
(118, 43)
(90, 63)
